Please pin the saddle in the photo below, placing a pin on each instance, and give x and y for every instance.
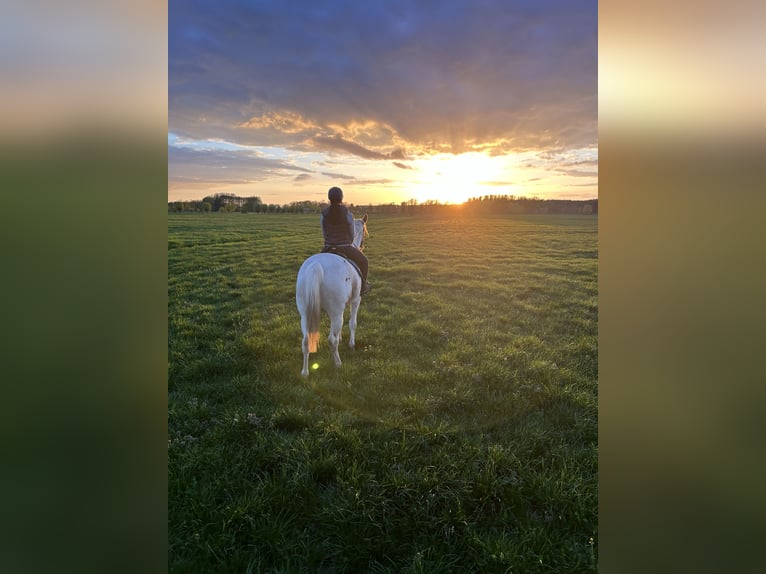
(335, 251)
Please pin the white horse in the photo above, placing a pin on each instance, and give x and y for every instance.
(329, 282)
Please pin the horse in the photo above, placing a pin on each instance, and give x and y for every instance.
(329, 282)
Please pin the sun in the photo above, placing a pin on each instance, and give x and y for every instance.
(448, 178)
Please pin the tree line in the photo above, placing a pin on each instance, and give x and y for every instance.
(513, 204)
(227, 203)
(489, 204)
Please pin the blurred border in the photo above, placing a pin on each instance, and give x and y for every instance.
(681, 284)
(83, 173)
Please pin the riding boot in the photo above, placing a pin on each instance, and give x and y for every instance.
(366, 288)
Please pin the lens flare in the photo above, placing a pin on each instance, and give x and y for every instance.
(315, 366)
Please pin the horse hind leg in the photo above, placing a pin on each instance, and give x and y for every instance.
(308, 345)
(336, 325)
(305, 347)
(352, 323)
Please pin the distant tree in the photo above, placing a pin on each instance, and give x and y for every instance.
(251, 204)
(206, 206)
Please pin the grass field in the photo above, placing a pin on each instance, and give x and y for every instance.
(460, 436)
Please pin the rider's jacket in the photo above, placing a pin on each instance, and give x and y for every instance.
(338, 228)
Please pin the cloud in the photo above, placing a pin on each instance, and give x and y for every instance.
(385, 80)
(583, 163)
(338, 175)
(381, 181)
(336, 143)
(402, 165)
(576, 173)
(302, 177)
(187, 164)
(285, 122)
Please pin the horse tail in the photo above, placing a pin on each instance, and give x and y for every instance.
(311, 305)
(312, 323)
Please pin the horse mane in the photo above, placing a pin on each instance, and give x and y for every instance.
(365, 233)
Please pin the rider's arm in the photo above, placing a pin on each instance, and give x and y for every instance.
(322, 222)
(350, 222)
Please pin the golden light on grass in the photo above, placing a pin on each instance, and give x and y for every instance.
(449, 178)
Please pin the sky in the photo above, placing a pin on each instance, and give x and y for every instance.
(391, 101)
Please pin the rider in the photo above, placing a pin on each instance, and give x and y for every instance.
(338, 230)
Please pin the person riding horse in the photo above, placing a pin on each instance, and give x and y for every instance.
(338, 231)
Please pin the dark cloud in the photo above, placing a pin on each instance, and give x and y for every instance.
(402, 165)
(583, 163)
(335, 143)
(338, 175)
(382, 181)
(453, 76)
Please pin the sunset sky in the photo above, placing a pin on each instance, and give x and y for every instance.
(390, 100)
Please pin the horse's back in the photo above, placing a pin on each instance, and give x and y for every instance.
(334, 275)
(330, 265)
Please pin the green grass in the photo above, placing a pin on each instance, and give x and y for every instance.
(460, 436)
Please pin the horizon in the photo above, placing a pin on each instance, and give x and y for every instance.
(411, 201)
(396, 104)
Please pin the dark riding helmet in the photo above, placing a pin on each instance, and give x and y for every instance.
(335, 195)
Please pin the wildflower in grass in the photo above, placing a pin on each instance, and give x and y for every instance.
(254, 419)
